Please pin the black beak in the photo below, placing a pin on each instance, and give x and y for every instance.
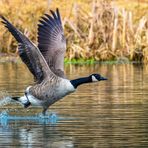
(102, 78)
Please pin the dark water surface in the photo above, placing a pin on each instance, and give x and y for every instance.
(109, 114)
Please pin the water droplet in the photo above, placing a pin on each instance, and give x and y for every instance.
(4, 118)
(53, 118)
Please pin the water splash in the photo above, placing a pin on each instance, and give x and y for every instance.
(5, 118)
(5, 98)
(52, 118)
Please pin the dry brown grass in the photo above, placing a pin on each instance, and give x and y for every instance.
(96, 29)
(107, 33)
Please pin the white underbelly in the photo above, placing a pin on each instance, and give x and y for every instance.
(34, 101)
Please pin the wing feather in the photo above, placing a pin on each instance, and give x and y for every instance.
(51, 41)
(29, 53)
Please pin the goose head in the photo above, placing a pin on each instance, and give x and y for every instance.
(97, 77)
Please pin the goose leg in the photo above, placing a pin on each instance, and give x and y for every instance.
(44, 111)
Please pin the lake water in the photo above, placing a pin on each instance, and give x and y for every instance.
(109, 114)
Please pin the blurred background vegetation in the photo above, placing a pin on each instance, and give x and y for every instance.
(96, 30)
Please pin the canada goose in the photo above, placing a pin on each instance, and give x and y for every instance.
(46, 63)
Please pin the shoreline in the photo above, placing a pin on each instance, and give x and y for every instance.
(122, 60)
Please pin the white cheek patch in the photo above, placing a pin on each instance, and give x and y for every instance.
(94, 79)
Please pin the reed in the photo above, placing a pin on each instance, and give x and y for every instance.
(97, 30)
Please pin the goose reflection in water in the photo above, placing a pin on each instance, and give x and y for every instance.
(31, 136)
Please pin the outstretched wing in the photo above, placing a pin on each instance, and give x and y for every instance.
(51, 41)
(29, 53)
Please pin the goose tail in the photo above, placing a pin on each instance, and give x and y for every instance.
(23, 100)
(15, 98)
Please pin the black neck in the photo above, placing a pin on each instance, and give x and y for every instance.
(79, 81)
